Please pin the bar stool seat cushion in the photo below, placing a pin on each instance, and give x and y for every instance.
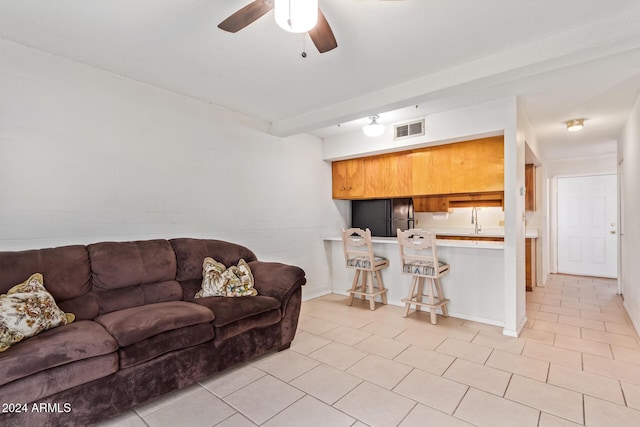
(425, 268)
(364, 262)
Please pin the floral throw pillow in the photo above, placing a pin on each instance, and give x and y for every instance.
(219, 281)
(213, 284)
(241, 281)
(28, 309)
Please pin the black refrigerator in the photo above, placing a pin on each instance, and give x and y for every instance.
(382, 216)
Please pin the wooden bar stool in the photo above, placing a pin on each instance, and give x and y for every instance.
(419, 257)
(358, 254)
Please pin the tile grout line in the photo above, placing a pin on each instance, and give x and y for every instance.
(507, 387)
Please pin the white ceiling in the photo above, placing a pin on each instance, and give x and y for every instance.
(400, 59)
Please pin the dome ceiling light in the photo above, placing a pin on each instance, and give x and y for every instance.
(575, 125)
(374, 128)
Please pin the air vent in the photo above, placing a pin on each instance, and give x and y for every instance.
(408, 130)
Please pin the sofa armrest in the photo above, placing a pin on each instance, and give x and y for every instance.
(275, 279)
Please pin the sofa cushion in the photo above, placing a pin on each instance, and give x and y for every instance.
(236, 315)
(191, 252)
(69, 343)
(130, 274)
(67, 273)
(117, 265)
(135, 324)
(190, 288)
(164, 342)
(38, 386)
(133, 296)
(28, 309)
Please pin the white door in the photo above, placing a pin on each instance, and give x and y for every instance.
(587, 229)
(621, 226)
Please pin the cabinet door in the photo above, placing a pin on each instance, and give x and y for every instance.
(431, 204)
(348, 179)
(388, 175)
(530, 185)
(478, 165)
(431, 170)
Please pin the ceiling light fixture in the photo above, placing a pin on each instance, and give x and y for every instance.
(374, 128)
(575, 125)
(296, 16)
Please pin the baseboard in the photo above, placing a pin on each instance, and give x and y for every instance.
(515, 333)
(399, 303)
(634, 322)
(317, 294)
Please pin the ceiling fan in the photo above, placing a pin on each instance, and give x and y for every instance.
(321, 35)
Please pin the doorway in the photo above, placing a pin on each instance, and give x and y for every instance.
(587, 225)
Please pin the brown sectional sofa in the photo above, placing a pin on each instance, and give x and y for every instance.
(139, 332)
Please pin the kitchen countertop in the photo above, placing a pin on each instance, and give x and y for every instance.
(476, 244)
(531, 233)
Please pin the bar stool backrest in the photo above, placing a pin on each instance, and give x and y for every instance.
(357, 245)
(418, 247)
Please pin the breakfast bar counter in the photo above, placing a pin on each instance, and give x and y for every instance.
(474, 286)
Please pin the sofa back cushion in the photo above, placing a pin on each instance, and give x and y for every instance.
(130, 274)
(190, 254)
(66, 272)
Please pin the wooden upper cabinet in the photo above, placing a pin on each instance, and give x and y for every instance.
(530, 185)
(478, 165)
(465, 167)
(387, 175)
(431, 204)
(431, 170)
(348, 179)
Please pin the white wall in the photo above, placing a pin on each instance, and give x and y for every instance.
(88, 156)
(629, 153)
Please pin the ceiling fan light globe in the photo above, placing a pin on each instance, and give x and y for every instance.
(296, 16)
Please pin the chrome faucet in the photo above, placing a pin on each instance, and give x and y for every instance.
(474, 220)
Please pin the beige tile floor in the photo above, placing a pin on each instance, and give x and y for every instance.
(577, 362)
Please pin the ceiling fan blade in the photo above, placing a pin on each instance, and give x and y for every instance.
(322, 35)
(245, 16)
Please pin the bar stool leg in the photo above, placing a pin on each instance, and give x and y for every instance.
(432, 309)
(381, 287)
(354, 287)
(420, 292)
(445, 310)
(372, 302)
(414, 280)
